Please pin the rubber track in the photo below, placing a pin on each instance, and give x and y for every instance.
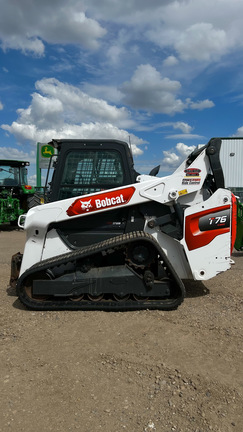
(108, 305)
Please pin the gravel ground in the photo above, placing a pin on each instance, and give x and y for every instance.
(142, 371)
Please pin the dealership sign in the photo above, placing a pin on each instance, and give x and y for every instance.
(46, 151)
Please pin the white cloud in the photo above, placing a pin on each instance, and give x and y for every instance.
(15, 153)
(201, 31)
(239, 132)
(106, 92)
(77, 106)
(184, 136)
(172, 158)
(185, 127)
(201, 41)
(43, 111)
(29, 132)
(60, 110)
(200, 105)
(118, 47)
(25, 44)
(24, 26)
(170, 61)
(72, 26)
(1, 106)
(127, 11)
(148, 90)
(184, 150)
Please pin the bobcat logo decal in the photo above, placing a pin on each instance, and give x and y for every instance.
(85, 205)
(101, 201)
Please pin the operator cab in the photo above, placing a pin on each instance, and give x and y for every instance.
(84, 167)
(89, 166)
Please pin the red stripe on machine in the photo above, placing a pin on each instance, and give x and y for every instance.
(201, 228)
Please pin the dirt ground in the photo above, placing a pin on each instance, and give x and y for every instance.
(143, 371)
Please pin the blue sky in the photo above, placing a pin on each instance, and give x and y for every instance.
(164, 74)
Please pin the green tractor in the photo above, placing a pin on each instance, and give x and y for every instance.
(15, 193)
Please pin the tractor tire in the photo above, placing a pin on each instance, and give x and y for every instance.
(35, 200)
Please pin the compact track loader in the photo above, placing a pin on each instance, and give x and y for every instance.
(112, 239)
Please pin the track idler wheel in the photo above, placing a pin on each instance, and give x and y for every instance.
(43, 275)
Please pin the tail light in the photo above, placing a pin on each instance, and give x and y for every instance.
(27, 187)
(233, 221)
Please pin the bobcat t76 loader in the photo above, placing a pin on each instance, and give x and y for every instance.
(112, 239)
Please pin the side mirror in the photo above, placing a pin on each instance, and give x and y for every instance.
(154, 171)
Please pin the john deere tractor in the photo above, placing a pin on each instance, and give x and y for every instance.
(15, 193)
